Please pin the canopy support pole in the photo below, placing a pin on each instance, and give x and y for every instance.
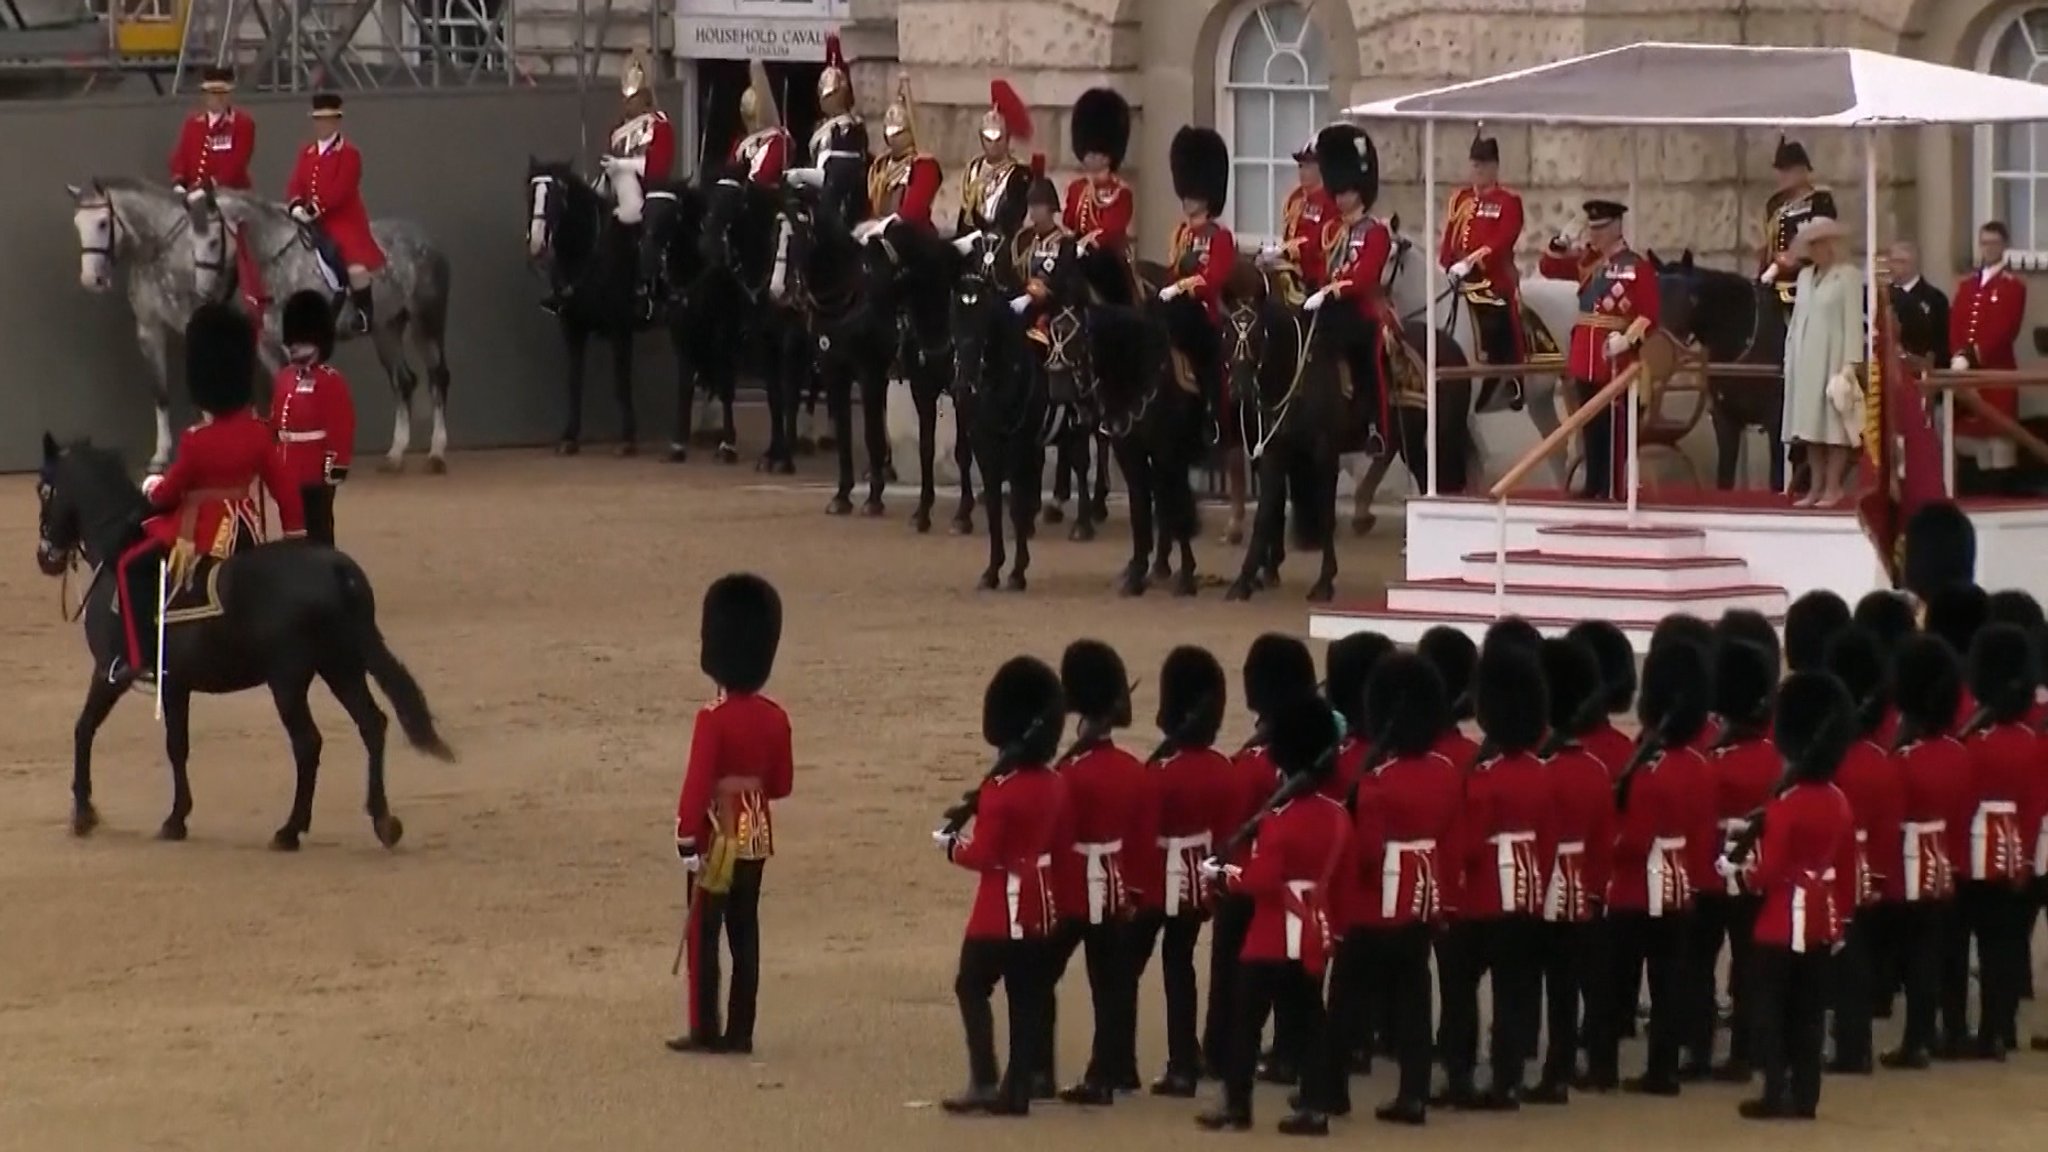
(1428, 250)
(1635, 403)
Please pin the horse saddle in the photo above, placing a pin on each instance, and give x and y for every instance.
(1541, 344)
(332, 268)
(194, 594)
(1405, 372)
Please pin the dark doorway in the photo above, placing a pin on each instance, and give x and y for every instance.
(719, 85)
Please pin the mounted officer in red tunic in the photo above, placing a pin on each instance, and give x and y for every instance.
(1100, 203)
(642, 149)
(217, 142)
(763, 153)
(1308, 223)
(324, 195)
(1478, 253)
(204, 506)
(1355, 256)
(1203, 254)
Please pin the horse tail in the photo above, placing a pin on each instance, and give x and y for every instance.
(415, 719)
(436, 278)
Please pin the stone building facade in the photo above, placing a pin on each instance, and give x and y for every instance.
(1265, 72)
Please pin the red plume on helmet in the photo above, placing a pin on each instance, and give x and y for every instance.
(1016, 116)
(834, 58)
(1038, 165)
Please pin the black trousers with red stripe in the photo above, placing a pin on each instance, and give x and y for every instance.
(734, 916)
(318, 500)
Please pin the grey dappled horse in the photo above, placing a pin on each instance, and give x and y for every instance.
(411, 292)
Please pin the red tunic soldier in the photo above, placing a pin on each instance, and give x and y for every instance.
(1355, 260)
(1984, 329)
(1100, 203)
(641, 150)
(1808, 827)
(1203, 254)
(1112, 814)
(1618, 306)
(1308, 224)
(762, 155)
(2005, 761)
(1869, 777)
(1481, 230)
(217, 142)
(1404, 838)
(1192, 785)
(1017, 826)
(205, 504)
(1743, 767)
(1286, 875)
(1504, 854)
(324, 194)
(741, 762)
(315, 415)
(1355, 1007)
(1650, 890)
(903, 182)
(1609, 744)
(1582, 829)
(1934, 775)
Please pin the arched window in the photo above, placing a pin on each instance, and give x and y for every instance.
(2011, 162)
(1276, 93)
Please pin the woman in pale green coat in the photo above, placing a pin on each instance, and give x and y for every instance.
(1823, 351)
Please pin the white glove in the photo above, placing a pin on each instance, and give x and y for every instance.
(965, 244)
(302, 214)
(805, 177)
(1559, 243)
(693, 863)
(1170, 293)
(1770, 273)
(1316, 300)
(778, 282)
(943, 838)
(1269, 255)
(178, 188)
(1460, 270)
(1085, 243)
(1617, 343)
(1726, 868)
(1959, 363)
(1211, 867)
(150, 482)
(1021, 304)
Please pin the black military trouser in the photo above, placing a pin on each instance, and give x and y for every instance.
(1357, 986)
(1791, 1024)
(1605, 443)
(1575, 978)
(1232, 920)
(1509, 949)
(1282, 987)
(318, 500)
(1916, 948)
(1494, 326)
(1992, 915)
(1177, 973)
(1853, 986)
(1718, 918)
(735, 915)
(1019, 966)
(1111, 989)
(1639, 941)
(1381, 974)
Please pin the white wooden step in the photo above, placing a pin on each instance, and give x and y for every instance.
(1620, 540)
(1653, 574)
(1475, 598)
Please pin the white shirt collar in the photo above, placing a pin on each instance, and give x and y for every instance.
(1909, 285)
(329, 144)
(1985, 274)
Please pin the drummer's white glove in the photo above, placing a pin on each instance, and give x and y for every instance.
(1959, 363)
(1170, 293)
(302, 214)
(1727, 869)
(150, 482)
(1085, 243)
(1617, 343)
(1770, 273)
(1460, 270)
(805, 177)
(1316, 300)
(1021, 304)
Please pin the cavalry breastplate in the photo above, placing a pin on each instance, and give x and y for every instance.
(833, 135)
(887, 181)
(982, 192)
(633, 137)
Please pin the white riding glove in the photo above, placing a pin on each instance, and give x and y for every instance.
(1460, 270)
(302, 214)
(1727, 868)
(1085, 243)
(1770, 274)
(1959, 363)
(150, 482)
(965, 244)
(1617, 343)
(1021, 304)
(1559, 243)
(943, 838)
(686, 851)
(805, 177)
(1171, 292)
(1316, 300)
(1269, 255)
(178, 188)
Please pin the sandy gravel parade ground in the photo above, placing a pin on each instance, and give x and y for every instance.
(501, 981)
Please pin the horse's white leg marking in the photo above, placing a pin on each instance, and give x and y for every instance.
(401, 433)
(163, 440)
(438, 447)
(536, 224)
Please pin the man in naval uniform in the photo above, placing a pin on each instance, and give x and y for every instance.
(1618, 306)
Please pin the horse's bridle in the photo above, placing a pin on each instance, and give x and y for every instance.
(549, 216)
(117, 227)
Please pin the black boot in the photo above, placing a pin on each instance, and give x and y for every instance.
(366, 313)
(1401, 1111)
(978, 1099)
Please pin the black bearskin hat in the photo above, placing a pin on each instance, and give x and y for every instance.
(1349, 162)
(1512, 700)
(1453, 655)
(1102, 123)
(1276, 668)
(309, 320)
(1927, 684)
(1856, 658)
(1303, 733)
(2002, 672)
(1814, 725)
(1941, 549)
(742, 628)
(1572, 673)
(1024, 692)
(1617, 661)
(1751, 626)
(2012, 606)
(1484, 150)
(1511, 631)
(1192, 696)
(220, 359)
(1956, 613)
(1347, 665)
(1743, 679)
(1201, 167)
(1406, 709)
(1790, 154)
(1683, 626)
(1673, 701)
(1810, 623)
(1887, 616)
(1093, 681)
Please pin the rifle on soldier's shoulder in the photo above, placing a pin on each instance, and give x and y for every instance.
(1008, 759)
(1175, 740)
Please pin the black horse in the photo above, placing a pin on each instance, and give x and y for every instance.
(741, 243)
(1735, 320)
(281, 614)
(1156, 431)
(1001, 402)
(702, 303)
(850, 335)
(592, 268)
(915, 300)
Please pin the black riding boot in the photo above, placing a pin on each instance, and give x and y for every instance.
(366, 313)
(141, 580)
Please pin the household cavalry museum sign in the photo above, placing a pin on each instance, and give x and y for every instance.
(756, 29)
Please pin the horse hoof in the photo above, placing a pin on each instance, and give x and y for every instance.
(568, 448)
(1240, 591)
(839, 506)
(727, 454)
(1233, 532)
(172, 831)
(961, 525)
(1361, 525)
(677, 453)
(626, 450)
(921, 521)
(765, 465)
(827, 443)
(286, 840)
(84, 818)
(1162, 571)
(390, 830)
(1099, 511)
(1133, 584)
(989, 580)
(1053, 514)
(1015, 583)
(1269, 578)
(437, 466)
(1184, 584)
(785, 467)
(871, 509)
(1322, 592)
(392, 465)
(805, 446)
(1082, 532)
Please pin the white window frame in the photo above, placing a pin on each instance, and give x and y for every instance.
(1261, 231)
(1984, 178)
(484, 20)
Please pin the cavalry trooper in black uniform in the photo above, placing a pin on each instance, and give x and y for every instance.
(993, 188)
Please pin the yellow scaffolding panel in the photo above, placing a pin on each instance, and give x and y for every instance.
(149, 27)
